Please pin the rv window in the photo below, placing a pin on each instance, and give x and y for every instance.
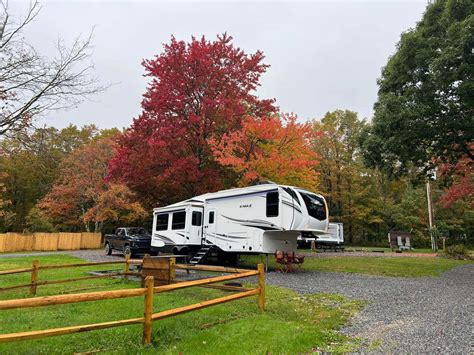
(315, 205)
(197, 218)
(178, 220)
(211, 217)
(272, 204)
(162, 221)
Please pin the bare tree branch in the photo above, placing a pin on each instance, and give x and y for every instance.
(31, 84)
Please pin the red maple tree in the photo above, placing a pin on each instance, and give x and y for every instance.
(198, 91)
(461, 176)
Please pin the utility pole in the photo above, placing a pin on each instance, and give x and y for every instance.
(434, 242)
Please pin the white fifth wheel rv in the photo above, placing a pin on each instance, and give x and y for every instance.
(258, 219)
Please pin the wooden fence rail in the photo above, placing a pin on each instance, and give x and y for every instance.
(148, 292)
(36, 267)
(12, 242)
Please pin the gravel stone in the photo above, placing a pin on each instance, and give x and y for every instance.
(404, 315)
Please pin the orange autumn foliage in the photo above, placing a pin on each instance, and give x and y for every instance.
(275, 148)
(83, 197)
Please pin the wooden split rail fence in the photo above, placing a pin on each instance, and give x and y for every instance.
(36, 267)
(147, 291)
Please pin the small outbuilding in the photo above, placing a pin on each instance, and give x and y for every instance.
(399, 240)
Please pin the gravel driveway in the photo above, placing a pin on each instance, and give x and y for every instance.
(406, 315)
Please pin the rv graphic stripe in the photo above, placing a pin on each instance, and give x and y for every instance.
(292, 206)
(165, 239)
(263, 228)
(255, 223)
(226, 237)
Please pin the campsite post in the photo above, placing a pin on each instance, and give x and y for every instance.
(126, 266)
(147, 324)
(261, 286)
(34, 277)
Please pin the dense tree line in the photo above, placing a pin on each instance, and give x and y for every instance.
(202, 128)
(57, 179)
(370, 202)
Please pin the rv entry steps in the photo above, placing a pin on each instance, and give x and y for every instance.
(201, 255)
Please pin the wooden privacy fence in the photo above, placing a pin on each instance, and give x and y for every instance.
(147, 291)
(11, 242)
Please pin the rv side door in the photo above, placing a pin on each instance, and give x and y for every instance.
(210, 219)
(195, 227)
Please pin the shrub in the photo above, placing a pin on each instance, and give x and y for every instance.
(458, 252)
(37, 222)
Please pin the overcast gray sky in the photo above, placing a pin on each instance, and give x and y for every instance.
(323, 55)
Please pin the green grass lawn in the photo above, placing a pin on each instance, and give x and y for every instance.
(386, 266)
(291, 323)
(370, 249)
(388, 250)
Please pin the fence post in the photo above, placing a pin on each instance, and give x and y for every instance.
(147, 324)
(172, 271)
(34, 277)
(126, 268)
(261, 286)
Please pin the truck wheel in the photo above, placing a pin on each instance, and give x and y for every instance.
(108, 249)
(127, 251)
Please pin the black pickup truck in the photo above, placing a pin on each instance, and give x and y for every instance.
(129, 241)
